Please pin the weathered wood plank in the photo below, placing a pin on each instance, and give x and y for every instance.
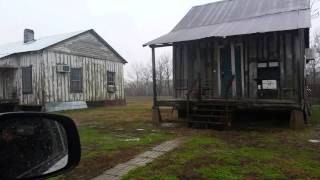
(86, 45)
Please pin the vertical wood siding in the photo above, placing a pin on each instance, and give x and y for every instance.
(57, 85)
(8, 83)
(86, 52)
(285, 47)
(36, 61)
(86, 45)
(14, 79)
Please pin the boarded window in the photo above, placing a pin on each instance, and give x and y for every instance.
(27, 80)
(76, 80)
(111, 78)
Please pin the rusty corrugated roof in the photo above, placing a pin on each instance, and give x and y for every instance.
(239, 17)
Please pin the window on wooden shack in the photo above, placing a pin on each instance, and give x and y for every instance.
(27, 80)
(111, 78)
(76, 80)
(268, 80)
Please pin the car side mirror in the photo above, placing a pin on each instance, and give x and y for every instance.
(37, 145)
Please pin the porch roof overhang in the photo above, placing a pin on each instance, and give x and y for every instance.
(283, 21)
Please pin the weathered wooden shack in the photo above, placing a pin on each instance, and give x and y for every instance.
(238, 55)
(60, 72)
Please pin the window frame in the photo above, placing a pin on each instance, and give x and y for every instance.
(24, 76)
(113, 76)
(80, 80)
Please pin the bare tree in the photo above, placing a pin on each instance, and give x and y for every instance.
(313, 66)
(166, 60)
(164, 73)
(135, 81)
(146, 78)
(139, 78)
(160, 67)
(315, 9)
(316, 62)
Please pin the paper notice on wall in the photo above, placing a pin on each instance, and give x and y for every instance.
(269, 84)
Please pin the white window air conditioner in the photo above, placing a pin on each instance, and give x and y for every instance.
(61, 68)
(112, 89)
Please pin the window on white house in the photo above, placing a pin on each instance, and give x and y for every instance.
(111, 78)
(76, 80)
(27, 80)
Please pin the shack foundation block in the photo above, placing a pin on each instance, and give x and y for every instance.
(297, 119)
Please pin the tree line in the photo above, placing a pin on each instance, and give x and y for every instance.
(139, 80)
(313, 67)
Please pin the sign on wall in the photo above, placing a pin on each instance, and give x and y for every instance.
(269, 84)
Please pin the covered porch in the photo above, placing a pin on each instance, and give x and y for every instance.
(227, 55)
(214, 77)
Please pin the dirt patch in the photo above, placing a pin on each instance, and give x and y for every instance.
(251, 176)
(188, 173)
(93, 167)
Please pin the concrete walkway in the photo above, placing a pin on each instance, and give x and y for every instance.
(141, 160)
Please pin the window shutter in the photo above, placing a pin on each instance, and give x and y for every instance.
(27, 80)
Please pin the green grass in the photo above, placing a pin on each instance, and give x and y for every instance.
(274, 154)
(315, 114)
(96, 142)
(112, 135)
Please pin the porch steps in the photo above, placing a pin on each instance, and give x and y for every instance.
(211, 113)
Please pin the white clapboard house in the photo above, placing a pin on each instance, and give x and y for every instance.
(60, 72)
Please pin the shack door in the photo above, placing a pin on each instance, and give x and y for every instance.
(231, 71)
(226, 71)
(238, 69)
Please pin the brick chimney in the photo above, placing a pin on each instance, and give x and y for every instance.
(28, 35)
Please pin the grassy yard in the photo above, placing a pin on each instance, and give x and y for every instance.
(234, 154)
(112, 135)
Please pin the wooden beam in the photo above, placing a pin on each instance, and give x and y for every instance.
(156, 115)
(282, 59)
(154, 78)
(199, 70)
(160, 45)
(174, 69)
(233, 69)
(301, 65)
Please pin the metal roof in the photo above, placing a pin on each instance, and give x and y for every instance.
(239, 17)
(45, 42)
(38, 44)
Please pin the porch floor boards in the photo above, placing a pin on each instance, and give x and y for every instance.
(236, 103)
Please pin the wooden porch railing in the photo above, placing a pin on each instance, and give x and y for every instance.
(190, 90)
(199, 95)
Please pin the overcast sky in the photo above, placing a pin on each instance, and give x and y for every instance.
(124, 24)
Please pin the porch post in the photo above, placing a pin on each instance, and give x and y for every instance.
(154, 77)
(156, 118)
